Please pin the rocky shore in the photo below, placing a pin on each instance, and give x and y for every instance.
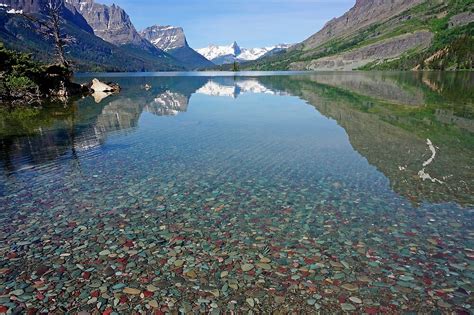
(24, 82)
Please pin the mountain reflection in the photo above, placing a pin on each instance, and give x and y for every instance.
(233, 87)
(388, 118)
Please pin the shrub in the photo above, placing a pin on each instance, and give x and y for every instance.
(20, 84)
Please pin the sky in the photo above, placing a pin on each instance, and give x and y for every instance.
(252, 23)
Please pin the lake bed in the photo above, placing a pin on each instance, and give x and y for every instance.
(266, 192)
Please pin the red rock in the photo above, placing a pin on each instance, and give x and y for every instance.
(3, 309)
(107, 311)
(281, 269)
(312, 289)
(123, 299)
(40, 296)
(129, 243)
(147, 294)
(41, 270)
(95, 293)
(309, 261)
(123, 260)
(86, 275)
(11, 255)
(31, 311)
(371, 310)
(427, 281)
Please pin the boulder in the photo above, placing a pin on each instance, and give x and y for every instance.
(98, 86)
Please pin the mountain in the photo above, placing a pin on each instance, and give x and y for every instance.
(386, 34)
(173, 40)
(228, 54)
(88, 52)
(165, 37)
(112, 24)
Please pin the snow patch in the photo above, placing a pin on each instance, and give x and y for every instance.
(13, 11)
(241, 54)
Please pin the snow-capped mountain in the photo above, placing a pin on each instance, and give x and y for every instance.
(212, 51)
(228, 54)
(165, 37)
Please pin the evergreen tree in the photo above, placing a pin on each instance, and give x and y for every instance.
(235, 66)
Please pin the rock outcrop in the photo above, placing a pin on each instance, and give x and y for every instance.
(111, 23)
(99, 86)
(357, 58)
(165, 37)
(362, 14)
(173, 40)
(461, 19)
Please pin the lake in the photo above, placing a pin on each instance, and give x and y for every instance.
(262, 192)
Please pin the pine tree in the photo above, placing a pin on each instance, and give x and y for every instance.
(235, 66)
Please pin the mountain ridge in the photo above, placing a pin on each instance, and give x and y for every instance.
(221, 55)
(87, 52)
(112, 24)
(386, 35)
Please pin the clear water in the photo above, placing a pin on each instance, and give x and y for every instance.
(340, 191)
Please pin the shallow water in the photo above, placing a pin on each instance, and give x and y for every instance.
(331, 192)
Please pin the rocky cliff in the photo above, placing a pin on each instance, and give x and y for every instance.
(165, 37)
(173, 40)
(111, 23)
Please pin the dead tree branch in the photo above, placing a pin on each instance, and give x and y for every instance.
(51, 27)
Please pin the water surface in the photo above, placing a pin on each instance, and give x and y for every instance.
(332, 192)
